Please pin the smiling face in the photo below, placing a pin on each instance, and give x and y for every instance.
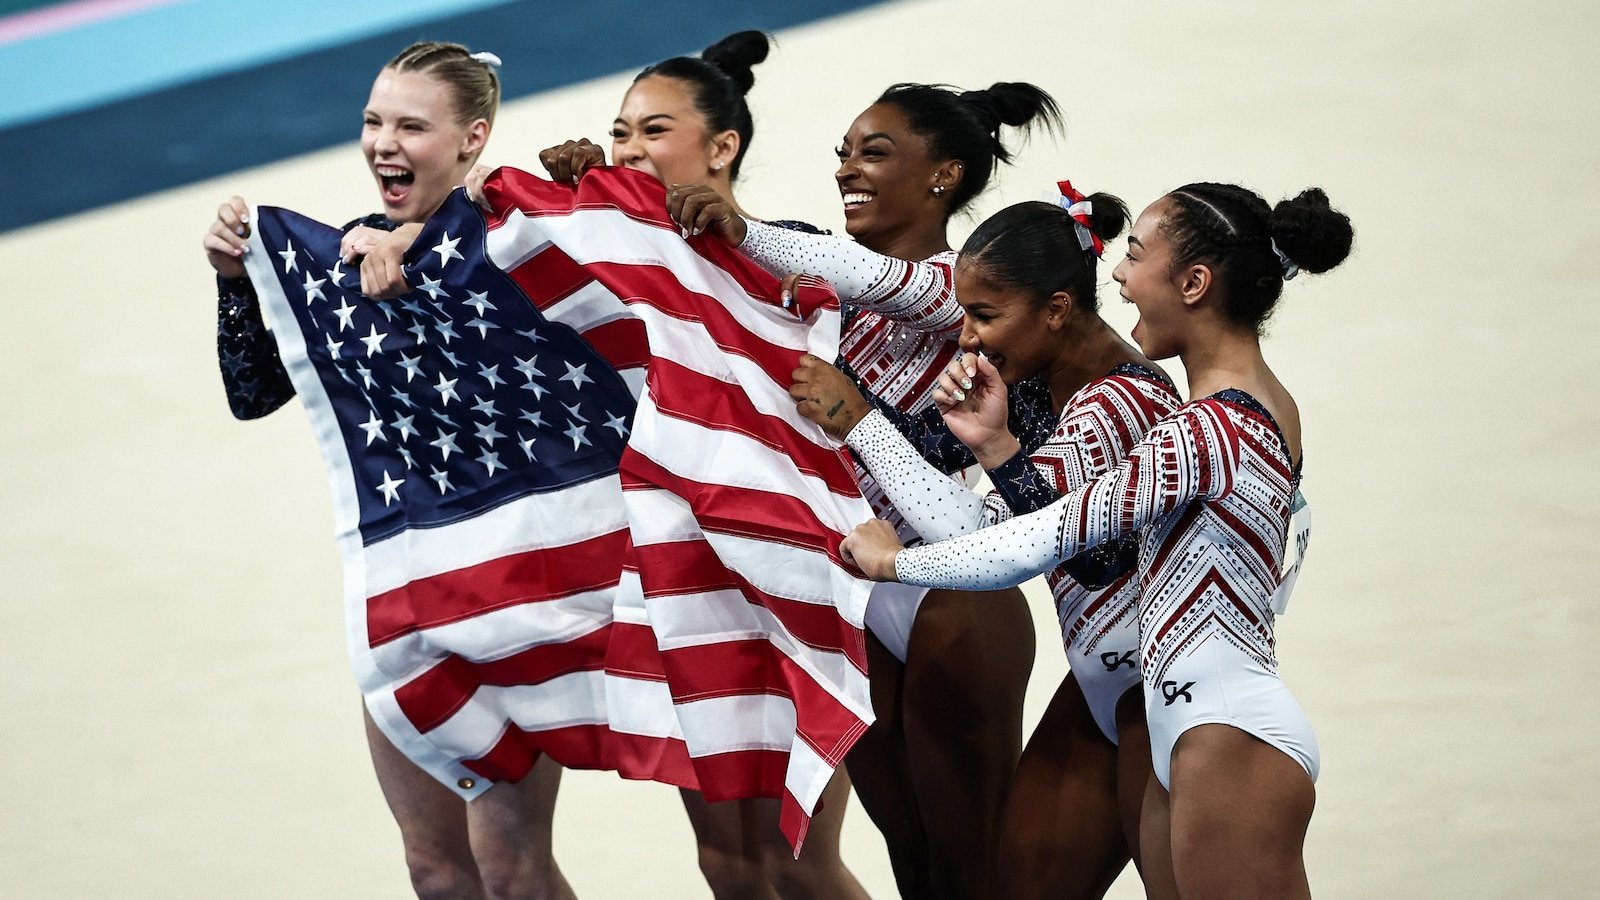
(660, 132)
(886, 177)
(417, 150)
(1020, 336)
(1146, 279)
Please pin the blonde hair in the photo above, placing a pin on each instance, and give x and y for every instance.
(473, 79)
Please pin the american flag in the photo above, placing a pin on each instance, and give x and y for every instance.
(578, 511)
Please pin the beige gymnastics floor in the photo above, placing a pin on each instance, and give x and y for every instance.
(178, 719)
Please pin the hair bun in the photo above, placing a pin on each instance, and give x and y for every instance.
(1315, 236)
(736, 54)
(1015, 103)
(1108, 215)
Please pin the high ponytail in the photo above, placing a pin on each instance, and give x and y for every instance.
(1035, 247)
(1254, 248)
(719, 78)
(965, 125)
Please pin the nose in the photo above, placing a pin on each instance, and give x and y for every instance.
(385, 144)
(846, 170)
(1119, 276)
(627, 151)
(969, 340)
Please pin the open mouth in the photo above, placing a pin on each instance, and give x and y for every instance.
(854, 200)
(396, 183)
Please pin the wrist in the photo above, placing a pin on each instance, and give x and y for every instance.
(994, 452)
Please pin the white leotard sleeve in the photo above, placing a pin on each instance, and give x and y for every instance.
(933, 503)
(1184, 458)
(918, 294)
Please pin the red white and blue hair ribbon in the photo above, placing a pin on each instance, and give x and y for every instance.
(1080, 209)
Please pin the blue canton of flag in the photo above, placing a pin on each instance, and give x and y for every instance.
(456, 397)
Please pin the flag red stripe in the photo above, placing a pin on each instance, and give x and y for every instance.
(717, 405)
(725, 668)
(719, 508)
(437, 694)
(529, 577)
(690, 567)
(513, 756)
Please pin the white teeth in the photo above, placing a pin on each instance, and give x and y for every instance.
(391, 171)
(857, 198)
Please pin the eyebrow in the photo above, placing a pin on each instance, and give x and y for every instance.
(647, 119)
(1135, 242)
(877, 135)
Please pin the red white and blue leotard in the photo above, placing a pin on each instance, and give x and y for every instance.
(1096, 592)
(1212, 488)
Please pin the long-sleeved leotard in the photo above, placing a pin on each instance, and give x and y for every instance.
(1212, 489)
(253, 375)
(1096, 594)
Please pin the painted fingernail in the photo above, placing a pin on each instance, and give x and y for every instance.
(960, 395)
(685, 232)
(244, 217)
(966, 383)
(239, 231)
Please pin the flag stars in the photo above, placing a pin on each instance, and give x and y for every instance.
(491, 461)
(420, 331)
(405, 425)
(526, 443)
(411, 461)
(491, 375)
(531, 334)
(479, 300)
(447, 389)
(333, 347)
(412, 365)
(446, 329)
(401, 398)
(374, 428)
(535, 418)
(575, 374)
(452, 359)
(572, 410)
(313, 288)
(287, 254)
(442, 479)
(374, 340)
(345, 311)
(366, 375)
(528, 366)
(390, 488)
(576, 432)
(446, 443)
(616, 423)
(484, 407)
(433, 286)
(337, 273)
(483, 325)
(447, 249)
(489, 434)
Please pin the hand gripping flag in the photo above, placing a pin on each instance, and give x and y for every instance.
(486, 502)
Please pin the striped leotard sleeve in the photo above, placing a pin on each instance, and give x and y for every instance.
(917, 294)
(937, 506)
(1187, 457)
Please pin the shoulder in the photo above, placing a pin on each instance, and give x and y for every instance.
(797, 225)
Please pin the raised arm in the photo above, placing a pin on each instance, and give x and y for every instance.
(918, 294)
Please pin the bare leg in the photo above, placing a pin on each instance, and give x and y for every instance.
(432, 820)
(882, 776)
(729, 848)
(1133, 767)
(1062, 835)
(1155, 843)
(819, 873)
(966, 672)
(1240, 808)
(510, 829)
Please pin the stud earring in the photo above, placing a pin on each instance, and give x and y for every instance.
(716, 166)
(938, 189)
